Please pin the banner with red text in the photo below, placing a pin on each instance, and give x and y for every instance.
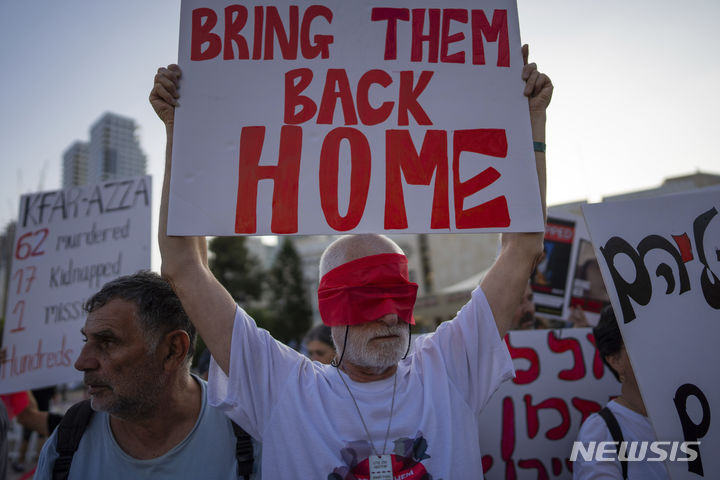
(660, 259)
(68, 243)
(360, 116)
(528, 427)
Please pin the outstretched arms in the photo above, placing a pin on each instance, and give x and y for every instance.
(184, 259)
(505, 283)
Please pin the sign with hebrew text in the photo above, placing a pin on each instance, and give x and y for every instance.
(660, 259)
(362, 116)
(528, 427)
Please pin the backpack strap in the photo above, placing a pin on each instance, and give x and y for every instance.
(69, 432)
(616, 433)
(243, 451)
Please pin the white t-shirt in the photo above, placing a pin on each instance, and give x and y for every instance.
(308, 424)
(634, 427)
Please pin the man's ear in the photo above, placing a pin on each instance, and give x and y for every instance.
(177, 344)
(615, 362)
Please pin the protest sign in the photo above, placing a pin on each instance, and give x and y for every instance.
(528, 427)
(550, 280)
(661, 272)
(68, 243)
(351, 117)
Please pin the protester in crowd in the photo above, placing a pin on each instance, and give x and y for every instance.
(148, 416)
(380, 410)
(524, 317)
(625, 413)
(42, 398)
(319, 344)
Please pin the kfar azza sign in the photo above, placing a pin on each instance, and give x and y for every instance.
(356, 116)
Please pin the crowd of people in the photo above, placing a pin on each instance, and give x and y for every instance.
(362, 403)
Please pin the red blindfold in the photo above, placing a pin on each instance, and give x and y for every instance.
(366, 289)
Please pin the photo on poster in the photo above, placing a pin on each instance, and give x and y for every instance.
(550, 278)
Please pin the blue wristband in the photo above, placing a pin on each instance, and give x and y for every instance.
(539, 147)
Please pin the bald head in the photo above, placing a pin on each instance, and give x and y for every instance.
(352, 247)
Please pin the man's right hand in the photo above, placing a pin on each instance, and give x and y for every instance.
(164, 94)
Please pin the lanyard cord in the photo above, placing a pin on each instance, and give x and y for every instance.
(392, 407)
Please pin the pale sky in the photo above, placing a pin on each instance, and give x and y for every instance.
(636, 87)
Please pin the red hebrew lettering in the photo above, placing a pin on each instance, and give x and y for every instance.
(493, 213)
(203, 21)
(536, 464)
(510, 473)
(235, 18)
(322, 42)
(337, 87)
(556, 466)
(598, 366)
(523, 377)
(288, 42)
(487, 463)
(533, 421)
(258, 32)
(401, 156)
(368, 114)
(359, 177)
(683, 243)
(407, 99)
(391, 15)
(497, 32)
(507, 439)
(297, 81)
(449, 15)
(585, 407)
(432, 38)
(559, 345)
(285, 177)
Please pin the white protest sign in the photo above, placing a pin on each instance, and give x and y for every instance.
(68, 243)
(660, 259)
(528, 427)
(360, 116)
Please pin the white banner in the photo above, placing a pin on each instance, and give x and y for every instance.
(528, 427)
(352, 117)
(68, 243)
(660, 259)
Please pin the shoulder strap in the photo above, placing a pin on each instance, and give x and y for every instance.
(69, 432)
(616, 433)
(243, 451)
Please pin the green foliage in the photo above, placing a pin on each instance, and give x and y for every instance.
(291, 313)
(236, 268)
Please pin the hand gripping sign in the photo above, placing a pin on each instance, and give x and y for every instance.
(359, 116)
(662, 273)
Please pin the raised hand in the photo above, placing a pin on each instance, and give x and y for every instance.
(164, 94)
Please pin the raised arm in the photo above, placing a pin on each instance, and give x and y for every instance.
(184, 259)
(505, 283)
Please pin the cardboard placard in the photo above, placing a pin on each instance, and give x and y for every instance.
(661, 264)
(528, 427)
(68, 243)
(351, 117)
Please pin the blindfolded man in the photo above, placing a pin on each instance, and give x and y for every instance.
(377, 412)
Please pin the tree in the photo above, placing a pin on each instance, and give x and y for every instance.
(238, 270)
(291, 312)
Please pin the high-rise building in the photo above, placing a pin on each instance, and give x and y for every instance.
(114, 149)
(75, 165)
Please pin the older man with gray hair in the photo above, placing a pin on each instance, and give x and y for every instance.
(377, 412)
(147, 416)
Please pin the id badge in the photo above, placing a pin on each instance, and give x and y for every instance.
(380, 467)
